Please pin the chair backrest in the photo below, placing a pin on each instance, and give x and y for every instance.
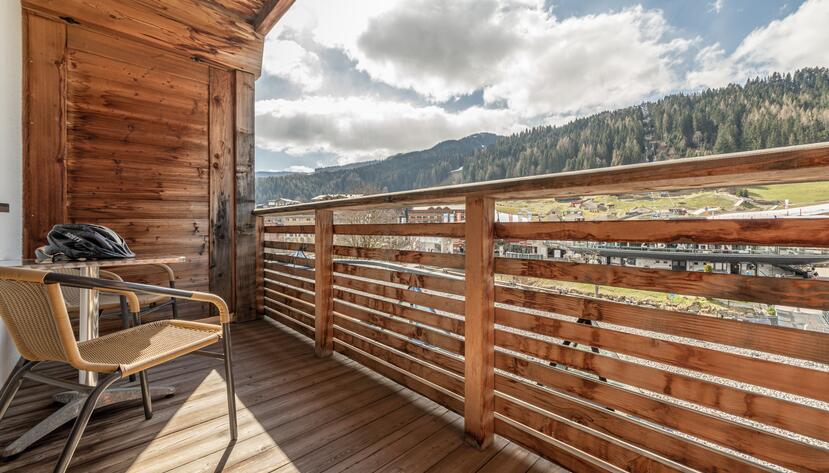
(35, 316)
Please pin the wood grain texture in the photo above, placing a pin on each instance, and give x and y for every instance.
(444, 260)
(769, 410)
(785, 341)
(812, 232)
(772, 374)
(449, 230)
(189, 27)
(269, 14)
(625, 457)
(260, 267)
(479, 353)
(324, 282)
(669, 445)
(774, 448)
(807, 293)
(804, 163)
(245, 200)
(222, 193)
(44, 130)
(412, 280)
(138, 150)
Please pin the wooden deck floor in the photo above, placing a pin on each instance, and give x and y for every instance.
(297, 413)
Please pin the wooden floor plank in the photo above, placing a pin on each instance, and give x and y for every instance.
(297, 413)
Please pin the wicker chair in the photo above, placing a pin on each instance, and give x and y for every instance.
(113, 305)
(33, 308)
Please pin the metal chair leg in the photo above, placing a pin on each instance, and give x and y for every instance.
(175, 302)
(231, 389)
(125, 322)
(82, 421)
(145, 395)
(12, 385)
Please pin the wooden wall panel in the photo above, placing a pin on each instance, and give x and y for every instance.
(137, 150)
(245, 302)
(44, 140)
(222, 208)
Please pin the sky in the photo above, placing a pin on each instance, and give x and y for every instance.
(348, 81)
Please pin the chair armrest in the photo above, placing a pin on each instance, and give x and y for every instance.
(110, 275)
(171, 275)
(126, 288)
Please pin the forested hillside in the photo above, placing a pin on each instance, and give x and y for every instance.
(399, 172)
(775, 111)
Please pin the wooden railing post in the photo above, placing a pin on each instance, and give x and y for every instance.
(324, 280)
(260, 267)
(479, 351)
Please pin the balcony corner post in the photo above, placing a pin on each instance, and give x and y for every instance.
(260, 267)
(479, 351)
(324, 280)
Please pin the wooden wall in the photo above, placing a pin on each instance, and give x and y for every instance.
(157, 146)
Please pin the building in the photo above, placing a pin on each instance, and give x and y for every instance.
(434, 214)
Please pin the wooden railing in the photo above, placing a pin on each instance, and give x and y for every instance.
(589, 382)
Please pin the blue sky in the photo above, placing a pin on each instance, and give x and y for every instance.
(351, 81)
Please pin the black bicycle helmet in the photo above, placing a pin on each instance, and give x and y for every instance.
(83, 241)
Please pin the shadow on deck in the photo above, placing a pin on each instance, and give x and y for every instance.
(297, 413)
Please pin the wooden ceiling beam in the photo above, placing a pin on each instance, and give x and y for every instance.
(192, 27)
(272, 11)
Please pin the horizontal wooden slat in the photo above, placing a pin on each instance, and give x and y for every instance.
(674, 447)
(272, 287)
(423, 387)
(770, 374)
(766, 446)
(423, 281)
(297, 315)
(271, 266)
(790, 342)
(805, 163)
(432, 319)
(289, 322)
(443, 260)
(402, 344)
(288, 259)
(290, 229)
(812, 232)
(751, 405)
(449, 230)
(809, 293)
(289, 281)
(454, 306)
(296, 304)
(424, 334)
(450, 382)
(616, 453)
(559, 452)
(289, 246)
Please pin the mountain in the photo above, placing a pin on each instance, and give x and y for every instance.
(404, 171)
(273, 173)
(779, 110)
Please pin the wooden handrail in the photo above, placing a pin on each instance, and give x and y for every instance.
(804, 163)
(655, 386)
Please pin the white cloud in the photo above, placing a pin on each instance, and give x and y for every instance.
(303, 169)
(796, 41)
(290, 61)
(358, 128)
(716, 6)
(514, 50)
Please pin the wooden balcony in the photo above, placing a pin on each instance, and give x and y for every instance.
(587, 382)
(296, 413)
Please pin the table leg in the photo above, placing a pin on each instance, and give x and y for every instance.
(88, 320)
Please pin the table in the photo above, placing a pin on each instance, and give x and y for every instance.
(87, 330)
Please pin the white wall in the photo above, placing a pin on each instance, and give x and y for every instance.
(10, 151)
